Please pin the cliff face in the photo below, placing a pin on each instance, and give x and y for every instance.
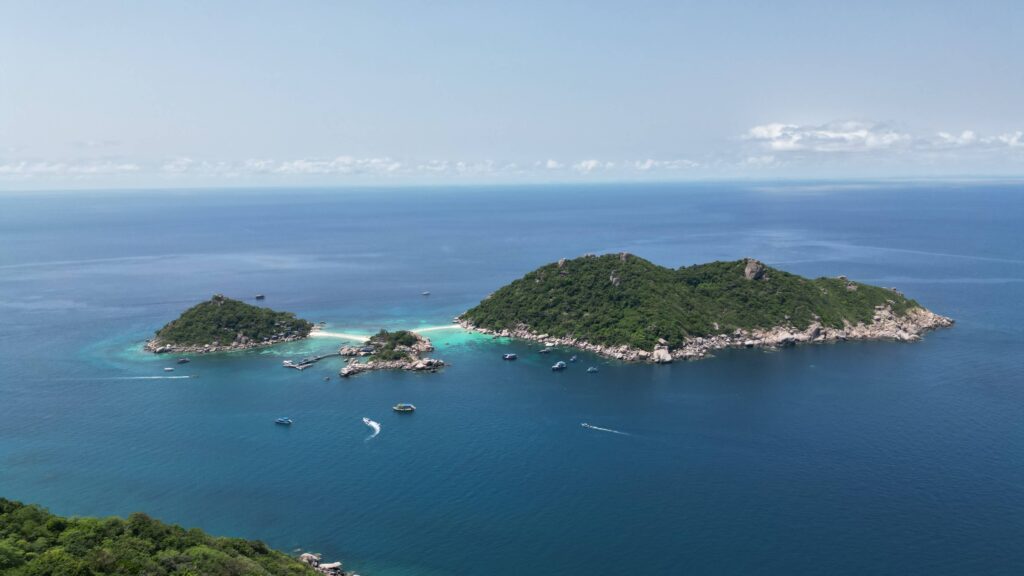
(628, 308)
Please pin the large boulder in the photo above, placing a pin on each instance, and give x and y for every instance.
(661, 355)
(754, 270)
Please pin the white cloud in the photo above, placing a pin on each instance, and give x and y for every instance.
(587, 166)
(29, 169)
(835, 137)
(553, 165)
(965, 138)
(1013, 140)
(651, 164)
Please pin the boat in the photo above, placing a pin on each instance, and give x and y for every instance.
(327, 378)
(592, 369)
(285, 421)
(400, 407)
(558, 366)
(373, 426)
(509, 357)
(260, 297)
(168, 369)
(183, 360)
(573, 359)
(425, 293)
(544, 350)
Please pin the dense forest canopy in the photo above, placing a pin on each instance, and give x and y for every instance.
(223, 320)
(622, 299)
(392, 345)
(34, 542)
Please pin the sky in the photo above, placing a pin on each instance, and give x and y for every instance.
(222, 93)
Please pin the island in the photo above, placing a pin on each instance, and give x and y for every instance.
(624, 307)
(398, 350)
(222, 324)
(35, 542)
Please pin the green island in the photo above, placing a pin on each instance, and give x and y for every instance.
(625, 307)
(223, 324)
(34, 542)
(398, 350)
(397, 345)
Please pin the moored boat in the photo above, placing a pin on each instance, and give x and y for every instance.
(283, 421)
(573, 359)
(509, 357)
(544, 350)
(558, 366)
(592, 369)
(183, 360)
(401, 407)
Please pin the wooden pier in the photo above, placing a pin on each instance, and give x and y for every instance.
(307, 362)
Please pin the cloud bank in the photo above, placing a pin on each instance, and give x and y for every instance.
(772, 149)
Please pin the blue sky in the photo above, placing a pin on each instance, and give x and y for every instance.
(158, 94)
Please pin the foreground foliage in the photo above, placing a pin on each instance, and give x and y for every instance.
(389, 345)
(223, 320)
(623, 299)
(34, 542)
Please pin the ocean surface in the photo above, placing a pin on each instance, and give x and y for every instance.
(854, 458)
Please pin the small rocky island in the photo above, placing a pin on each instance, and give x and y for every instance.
(624, 307)
(222, 324)
(399, 350)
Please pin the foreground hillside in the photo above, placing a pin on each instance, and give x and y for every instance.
(34, 542)
(624, 301)
(221, 323)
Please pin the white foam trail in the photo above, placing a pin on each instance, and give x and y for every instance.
(375, 426)
(598, 428)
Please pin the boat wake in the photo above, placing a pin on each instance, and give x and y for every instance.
(375, 426)
(599, 429)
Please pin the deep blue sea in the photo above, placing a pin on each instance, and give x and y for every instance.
(845, 459)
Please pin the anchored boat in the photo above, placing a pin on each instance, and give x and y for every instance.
(558, 366)
(283, 421)
(509, 357)
(400, 407)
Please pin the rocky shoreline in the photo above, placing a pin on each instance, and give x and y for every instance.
(158, 347)
(415, 360)
(885, 325)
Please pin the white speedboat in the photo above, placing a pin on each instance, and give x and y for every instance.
(372, 425)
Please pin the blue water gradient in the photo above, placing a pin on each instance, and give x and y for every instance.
(834, 459)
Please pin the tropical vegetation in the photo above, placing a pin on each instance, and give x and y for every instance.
(392, 345)
(623, 299)
(34, 542)
(222, 320)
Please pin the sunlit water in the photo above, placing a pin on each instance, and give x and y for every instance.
(836, 459)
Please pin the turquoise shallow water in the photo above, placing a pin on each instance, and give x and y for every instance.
(839, 459)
